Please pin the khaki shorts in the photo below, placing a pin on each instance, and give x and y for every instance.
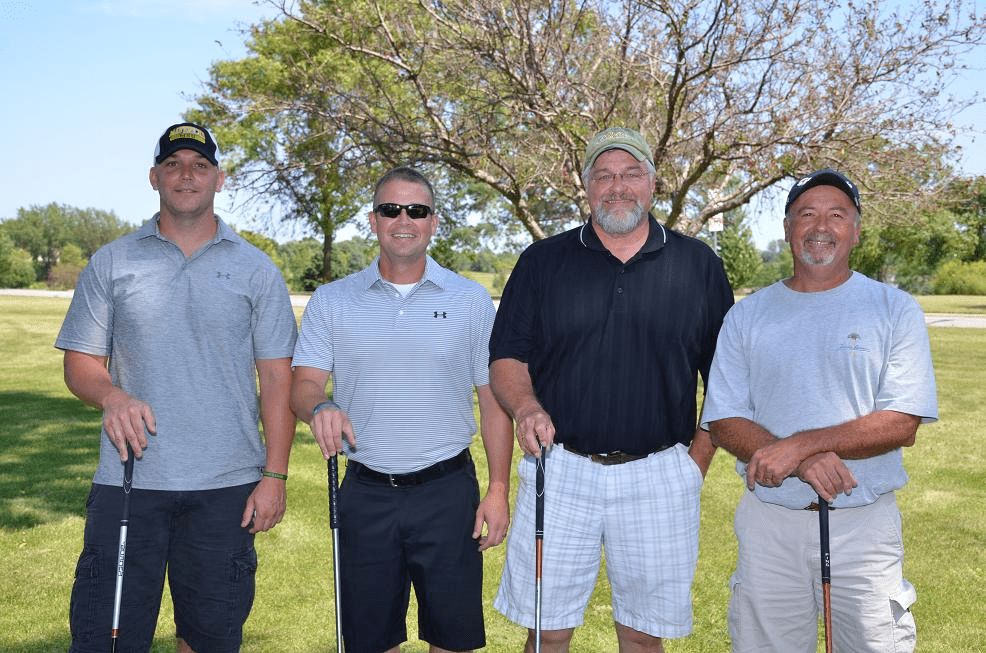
(777, 593)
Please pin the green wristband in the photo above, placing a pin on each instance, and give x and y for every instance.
(282, 477)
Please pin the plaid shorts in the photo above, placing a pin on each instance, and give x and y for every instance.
(646, 515)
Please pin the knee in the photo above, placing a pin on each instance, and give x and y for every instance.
(634, 640)
(551, 640)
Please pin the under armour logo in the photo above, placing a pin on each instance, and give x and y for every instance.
(221, 275)
(443, 314)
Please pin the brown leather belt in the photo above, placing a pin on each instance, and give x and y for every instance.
(613, 457)
(814, 507)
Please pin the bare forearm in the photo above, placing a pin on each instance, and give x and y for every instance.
(863, 437)
(739, 436)
(498, 441)
(275, 412)
(307, 392)
(511, 384)
(88, 379)
(702, 450)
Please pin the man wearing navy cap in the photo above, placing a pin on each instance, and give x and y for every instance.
(598, 343)
(818, 382)
(169, 330)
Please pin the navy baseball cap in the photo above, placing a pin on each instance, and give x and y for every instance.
(824, 177)
(186, 136)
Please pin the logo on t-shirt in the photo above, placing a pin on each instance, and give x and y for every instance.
(855, 344)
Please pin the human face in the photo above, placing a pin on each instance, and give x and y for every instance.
(619, 205)
(187, 183)
(403, 239)
(822, 227)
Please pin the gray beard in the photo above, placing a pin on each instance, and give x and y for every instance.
(612, 223)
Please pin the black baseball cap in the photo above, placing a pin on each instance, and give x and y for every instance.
(824, 177)
(186, 136)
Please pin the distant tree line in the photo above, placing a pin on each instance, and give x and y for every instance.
(943, 251)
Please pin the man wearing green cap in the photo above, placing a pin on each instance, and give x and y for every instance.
(597, 346)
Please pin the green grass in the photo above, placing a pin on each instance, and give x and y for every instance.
(964, 304)
(48, 451)
(485, 279)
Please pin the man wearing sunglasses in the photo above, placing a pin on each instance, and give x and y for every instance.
(405, 342)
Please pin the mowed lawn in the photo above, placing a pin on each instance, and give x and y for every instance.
(48, 450)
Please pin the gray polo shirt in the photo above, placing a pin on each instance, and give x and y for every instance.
(403, 368)
(793, 361)
(183, 335)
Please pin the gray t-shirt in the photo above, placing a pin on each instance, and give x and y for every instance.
(183, 335)
(403, 367)
(791, 361)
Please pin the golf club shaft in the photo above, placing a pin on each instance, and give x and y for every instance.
(823, 536)
(334, 525)
(538, 544)
(128, 476)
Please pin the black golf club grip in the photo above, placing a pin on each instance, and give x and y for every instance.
(334, 491)
(539, 497)
(823, 536)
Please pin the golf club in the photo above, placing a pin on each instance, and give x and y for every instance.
(823, 536)
(128, 481)
(334, 525)
(538, 542)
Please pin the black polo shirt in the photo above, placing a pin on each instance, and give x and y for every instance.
(614, 350)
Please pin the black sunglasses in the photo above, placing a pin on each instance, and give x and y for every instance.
(414, 211)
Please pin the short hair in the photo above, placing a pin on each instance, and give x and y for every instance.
(404, 173)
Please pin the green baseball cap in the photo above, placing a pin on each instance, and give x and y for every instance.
(618, 138)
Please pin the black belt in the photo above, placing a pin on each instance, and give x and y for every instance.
(437, 470)
(613, 457)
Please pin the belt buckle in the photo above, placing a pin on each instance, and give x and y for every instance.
(611, 458)
(390, 478)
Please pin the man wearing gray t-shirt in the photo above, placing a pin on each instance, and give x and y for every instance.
(169, 331)
(818, 382)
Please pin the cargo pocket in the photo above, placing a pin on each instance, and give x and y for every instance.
(905, 632)
(243, 573)
(83, 611)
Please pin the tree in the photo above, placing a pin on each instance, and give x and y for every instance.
(967, 201)
(65, 273)
(735, 97)
(16, 269)
(739, 253)
(44, 230)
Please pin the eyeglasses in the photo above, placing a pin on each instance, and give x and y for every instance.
(414, 211)
(628, 177)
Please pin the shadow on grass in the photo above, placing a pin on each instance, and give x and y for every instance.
(49, 447)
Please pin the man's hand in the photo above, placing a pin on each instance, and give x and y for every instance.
(265, 505)
(493, 511)
(827, 474)
(534, 429)
(773, 463)
(125, 419)
(330, 426)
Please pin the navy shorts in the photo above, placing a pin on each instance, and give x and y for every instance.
(211, 564)
(391, 538)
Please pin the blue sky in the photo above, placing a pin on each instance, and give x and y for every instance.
(88, 86)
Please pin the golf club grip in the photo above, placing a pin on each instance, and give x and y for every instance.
(539, 497)
(334, 492)
(823, 538)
